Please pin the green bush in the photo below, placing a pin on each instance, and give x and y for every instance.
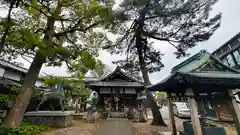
(25, 129)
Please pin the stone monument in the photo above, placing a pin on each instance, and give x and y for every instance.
(108, 107)
(54, 118)
(93, 112)
(142, 112)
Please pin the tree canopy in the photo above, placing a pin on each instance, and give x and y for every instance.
(50, 32)
(180, 23)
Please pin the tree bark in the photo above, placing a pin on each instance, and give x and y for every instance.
(157, 117)
(6, 31)
(15, 115)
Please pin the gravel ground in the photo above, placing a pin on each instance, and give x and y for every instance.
(77, 128)
(147, 129)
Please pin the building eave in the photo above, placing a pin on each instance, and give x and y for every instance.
(118, 69)
(226, 43)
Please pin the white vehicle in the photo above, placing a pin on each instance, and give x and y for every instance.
(181, 109)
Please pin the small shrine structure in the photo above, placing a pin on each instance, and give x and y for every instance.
(117, 88)
(201, 77)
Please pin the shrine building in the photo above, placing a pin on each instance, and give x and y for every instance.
(115, 84)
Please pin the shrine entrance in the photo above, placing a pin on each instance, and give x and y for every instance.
(117, 89)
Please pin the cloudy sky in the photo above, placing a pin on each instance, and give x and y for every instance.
(230, 25)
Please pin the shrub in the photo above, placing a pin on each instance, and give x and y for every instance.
(25, 129)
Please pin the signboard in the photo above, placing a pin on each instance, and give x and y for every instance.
(130, 91)
(105, 90)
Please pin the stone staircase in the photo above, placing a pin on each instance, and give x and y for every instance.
(117, 115)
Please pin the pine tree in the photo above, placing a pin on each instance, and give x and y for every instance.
(181, 23)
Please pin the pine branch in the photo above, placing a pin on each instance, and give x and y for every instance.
(76, 28)
(3, 39)
(66, 36)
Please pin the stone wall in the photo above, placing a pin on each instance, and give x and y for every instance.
(56, 121)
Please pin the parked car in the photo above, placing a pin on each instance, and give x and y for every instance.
(181, 109)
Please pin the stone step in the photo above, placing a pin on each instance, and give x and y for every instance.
(117, 115)
(117, 119)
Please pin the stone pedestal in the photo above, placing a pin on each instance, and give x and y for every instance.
(56, 119)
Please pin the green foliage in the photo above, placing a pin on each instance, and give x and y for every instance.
(76, 88)
(161, 96)
(99, 68)
(80, 90)
(25, 129)
(5, 99)
(73, 35)
(53, 80)
(53, 32)
(181, 24)
(82, 63)
(211, 124)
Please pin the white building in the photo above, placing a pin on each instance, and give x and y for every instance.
(13, 74)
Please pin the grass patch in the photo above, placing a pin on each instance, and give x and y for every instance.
(25, 129)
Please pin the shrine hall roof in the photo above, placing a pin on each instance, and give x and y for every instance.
(202, 69)
(122, 73)
(117, 78)
(115, 83)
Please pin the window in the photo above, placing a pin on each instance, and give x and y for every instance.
(225, 48)
(208, 104)
(234, 43)
(230, 60)
(237, 56)
(225, 62)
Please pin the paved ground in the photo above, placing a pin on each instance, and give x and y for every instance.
(165, 114)
(77, 128)
(114, 127)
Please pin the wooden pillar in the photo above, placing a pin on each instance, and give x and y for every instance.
(235, 110)
(111, 97)
(171, 115)
(197, 129)
(124, 102)
(203, 112)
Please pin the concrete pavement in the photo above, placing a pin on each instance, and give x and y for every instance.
(115, 127)
(165, 114)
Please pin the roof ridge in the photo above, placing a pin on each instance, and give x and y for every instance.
(214, 58)
(118, 68)
(190, 59)
(227, 42)
(13, 64)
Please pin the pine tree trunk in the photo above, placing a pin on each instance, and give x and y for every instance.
(15, 115)
(157, 117)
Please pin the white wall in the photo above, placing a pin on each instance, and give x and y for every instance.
(236, 96)
(39, 83)
(12, 75)
(127, 90)
(2, 70)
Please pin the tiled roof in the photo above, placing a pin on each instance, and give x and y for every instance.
(197, 60)
(192, 71)
(219, 75)
(13, 66)
(118, 70)
(8, 82)
(114, 83)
